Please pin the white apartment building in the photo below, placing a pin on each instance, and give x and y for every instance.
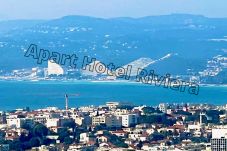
(18, 122)
(56, 122)
(219, 139)
(112, 104)
(54, 68)
(120, 112)
(129, 120)
(52, 122)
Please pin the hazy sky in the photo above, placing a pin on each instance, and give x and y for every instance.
(46, 9)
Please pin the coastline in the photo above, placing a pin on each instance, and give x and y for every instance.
(74, 81)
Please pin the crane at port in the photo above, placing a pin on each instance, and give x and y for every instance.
(67, 100)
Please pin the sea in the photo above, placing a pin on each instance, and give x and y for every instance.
(41, 94)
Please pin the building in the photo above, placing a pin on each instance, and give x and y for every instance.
(57, 122)
(19, 122)
(52, 122)
(86, 137)
(34, 72)
(219, 139)
(39, 117)
(54, 68)
(129, 120)
(108, 120)
(2, 118)
(112, 104)
(82, 121)
(163, 107)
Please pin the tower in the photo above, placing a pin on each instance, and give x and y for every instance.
(66, 102)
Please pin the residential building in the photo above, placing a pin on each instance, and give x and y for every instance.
(129, 120)
(219, 139)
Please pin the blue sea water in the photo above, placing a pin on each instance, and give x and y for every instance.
(20, 94)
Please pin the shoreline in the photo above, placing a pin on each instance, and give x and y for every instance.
(98, 82)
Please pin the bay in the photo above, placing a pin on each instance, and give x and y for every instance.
(21, 94)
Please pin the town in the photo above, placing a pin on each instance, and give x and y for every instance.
(116, 126)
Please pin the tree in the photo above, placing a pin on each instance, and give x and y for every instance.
(26, 126)
(215, 116)
(127, 107)
(2, 136)
(176, 141)
(15, 145)
(140, 144)
(151, 119)
(23, 137)
(97, 142)
(63, 133)
(47, 141)
(157, 136)
(68, 140)
(114, 139)
(40, 130)
(34, 142)
(168, 143)
(71, 124)
(26, 146)
(100, 127)
(148, 110)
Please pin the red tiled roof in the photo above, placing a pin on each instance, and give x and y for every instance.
(119, 131)
(176, 127)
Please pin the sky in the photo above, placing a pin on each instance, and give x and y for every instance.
(50, 9)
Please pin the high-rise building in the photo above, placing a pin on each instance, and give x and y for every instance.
(219, 139)
(54, 68)
(129, 120)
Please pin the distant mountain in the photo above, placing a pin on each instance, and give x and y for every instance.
(195, 40)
